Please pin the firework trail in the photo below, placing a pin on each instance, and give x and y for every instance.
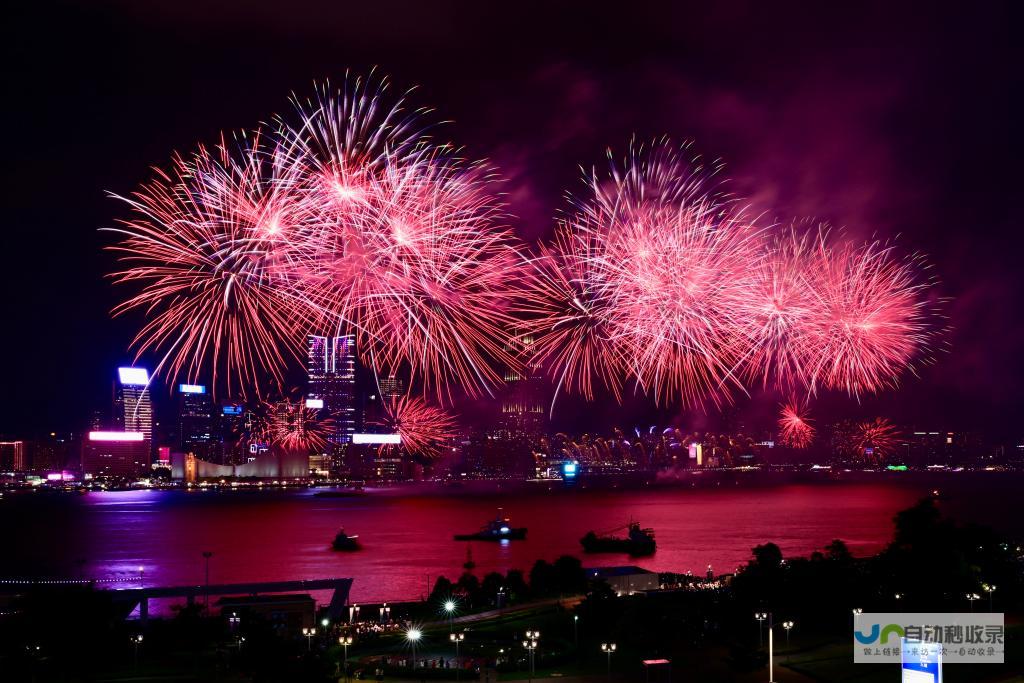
(424, 429)
(795, 429)
(291, 426)
(201, 245)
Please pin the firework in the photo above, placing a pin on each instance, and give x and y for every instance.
(201, 245)
(424, 429)
(795, 429)
(778, 310)
(291, 426)
(871, 319)
(874, 439)
(422, 272)
(644, 282)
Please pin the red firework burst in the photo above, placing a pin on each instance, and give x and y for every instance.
(874, 440)
(795, 428)
(202, 244)
(871, 318)
(424, 429)
(291, 426)
(655, 266)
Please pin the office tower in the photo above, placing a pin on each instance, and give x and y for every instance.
(232, 428)
(12, 456)
(331, 366)
(115, 454)
(195, 421)
(133, 408)
(377, 393)
(523, 403)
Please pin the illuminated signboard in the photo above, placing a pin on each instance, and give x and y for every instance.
(232, 410)
(376, 439)
(316, 403)
(192, 388)
(569, 470)
(116, 436)
(136, 377)
(921, 662)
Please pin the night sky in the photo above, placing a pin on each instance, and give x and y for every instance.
(885, 121)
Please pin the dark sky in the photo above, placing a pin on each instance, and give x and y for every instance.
(880, 119)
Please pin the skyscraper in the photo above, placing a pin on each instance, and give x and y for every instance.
(133, 408)
(331, 366)
(195, 421)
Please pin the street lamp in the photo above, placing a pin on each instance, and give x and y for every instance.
(345, 641)
(413, 635)
(457, 638)
(608, 649)
(990, 589)
(760, 616)
(325, 622)
(142, 576)
(971, 597)
(576, 631)
(530, 646)
(309, 633)
(787, 625)
(136, 641)
(206, 556)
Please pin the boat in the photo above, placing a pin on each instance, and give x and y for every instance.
(638, 541)
(499, 529)
(345, 542)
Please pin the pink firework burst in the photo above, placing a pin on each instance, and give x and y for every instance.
(291, 426)
(795, 428)
(871, 317)
(422, 271)
(424, 429)
(202, 245)
(656, 264)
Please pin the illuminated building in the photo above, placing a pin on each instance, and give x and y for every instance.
(331, 368)
(231, 424)
(195, 421)
(523, 403)
(133, 407)
(115, 454)
(12, 456)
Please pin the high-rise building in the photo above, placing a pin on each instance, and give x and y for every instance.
(12, 456)
(331, 365)
(195, 422)
(115, 454)
(133, 407)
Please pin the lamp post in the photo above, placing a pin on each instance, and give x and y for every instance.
(326, 623)
(309, 633)
(206, 556)
(142, 576)
(449, 607)
(971, 597)
(608, 649)
(760, 616)
(990, 589)
(576, 631)
(530, 646)
(345, 641)
(136, 641)
(413, 635)
(787, 625)
(457, 638)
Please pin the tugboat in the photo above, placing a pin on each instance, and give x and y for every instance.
(345, 542)
(638, 542)
(498, 530)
